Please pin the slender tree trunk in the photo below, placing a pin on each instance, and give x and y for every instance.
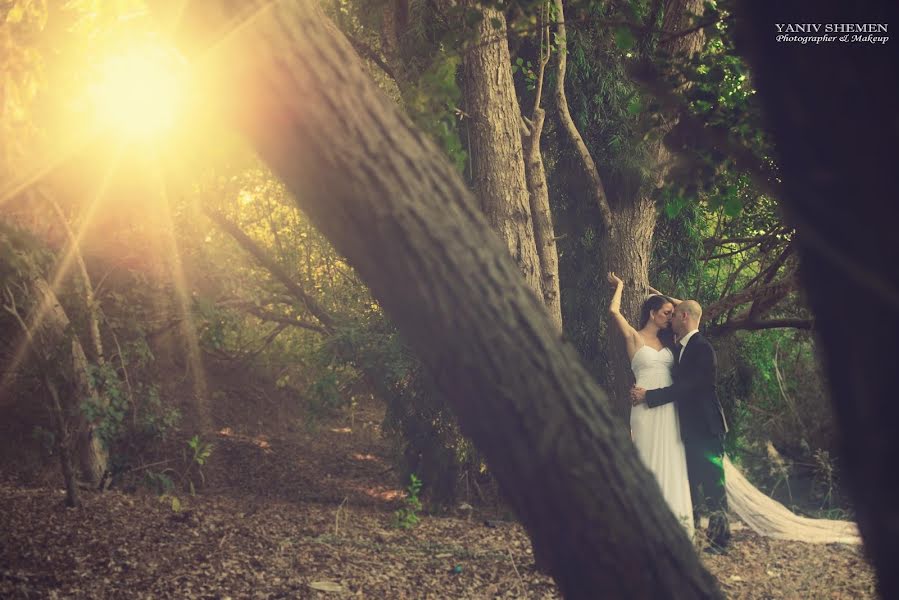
(389, 201)
(63, 444)
(597, 188)
(90, 302)
(43, 343)
(88, 447)
(544, 232)
(498, 172)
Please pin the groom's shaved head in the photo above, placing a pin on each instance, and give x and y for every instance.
(690, 308)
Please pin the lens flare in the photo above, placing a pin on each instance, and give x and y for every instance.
(139, 91)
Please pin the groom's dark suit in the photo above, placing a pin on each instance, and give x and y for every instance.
(702, 427)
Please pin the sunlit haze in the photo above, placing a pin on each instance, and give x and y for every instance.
(138, 93)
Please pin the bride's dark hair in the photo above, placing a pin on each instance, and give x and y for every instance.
(652, 304)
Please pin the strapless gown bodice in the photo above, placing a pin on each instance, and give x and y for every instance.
(652, 368)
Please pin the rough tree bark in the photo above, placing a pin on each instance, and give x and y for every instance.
(494, 133)
(389, 201)
(832, 110)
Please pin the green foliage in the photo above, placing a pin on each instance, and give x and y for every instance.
(22, 255)
(527, 69)
(22, 23)
(433, 102)
(159, 481)
(407, 516)
(172, 500)
(201, 450)
(163, 483)
(424, 429)
(156, 419)
(109, 408)
(624, 38)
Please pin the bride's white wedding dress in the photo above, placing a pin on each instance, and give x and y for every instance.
(656, 434)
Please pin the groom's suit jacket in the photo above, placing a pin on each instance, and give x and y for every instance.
(693, 391)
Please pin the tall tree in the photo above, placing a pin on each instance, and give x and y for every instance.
(512, 190)
(494, 131)
(386, 197)
(629, 209)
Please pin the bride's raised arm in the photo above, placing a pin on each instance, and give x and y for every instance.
(631, 337)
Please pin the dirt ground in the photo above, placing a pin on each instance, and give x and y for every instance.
(310, 514)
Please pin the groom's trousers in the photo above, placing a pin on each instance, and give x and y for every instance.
(705, 469)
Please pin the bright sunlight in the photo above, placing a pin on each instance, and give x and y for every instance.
(139, 92)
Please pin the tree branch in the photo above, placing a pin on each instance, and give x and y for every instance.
(587, 161)
(284, 320)
(702, 25)
(367, 52)
(711, 242)
(756, 325)
(272, 266)
(692, 132)
(780, 288)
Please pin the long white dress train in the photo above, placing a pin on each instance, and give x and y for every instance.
(656, 434)
(769, 518)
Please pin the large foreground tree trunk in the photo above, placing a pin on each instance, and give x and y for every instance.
(389, 201)
(832, 109)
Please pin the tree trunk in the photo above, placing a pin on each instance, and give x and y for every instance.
(832, 111)
(51, 317)
(63, 444)
(626, 249)
(680, 15)
(390, 202)
(544, 233)
(494, 131)
(73, 250)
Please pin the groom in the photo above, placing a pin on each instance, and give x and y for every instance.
(702, 421)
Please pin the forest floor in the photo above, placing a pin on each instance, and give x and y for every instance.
(310, 514)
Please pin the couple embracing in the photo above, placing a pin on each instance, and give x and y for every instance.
(677, 423)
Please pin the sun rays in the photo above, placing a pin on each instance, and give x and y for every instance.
(135, 97)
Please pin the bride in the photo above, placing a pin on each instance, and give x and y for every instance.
(656, 431)
(656, 434)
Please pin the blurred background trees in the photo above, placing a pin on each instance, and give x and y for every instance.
(162, 285)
